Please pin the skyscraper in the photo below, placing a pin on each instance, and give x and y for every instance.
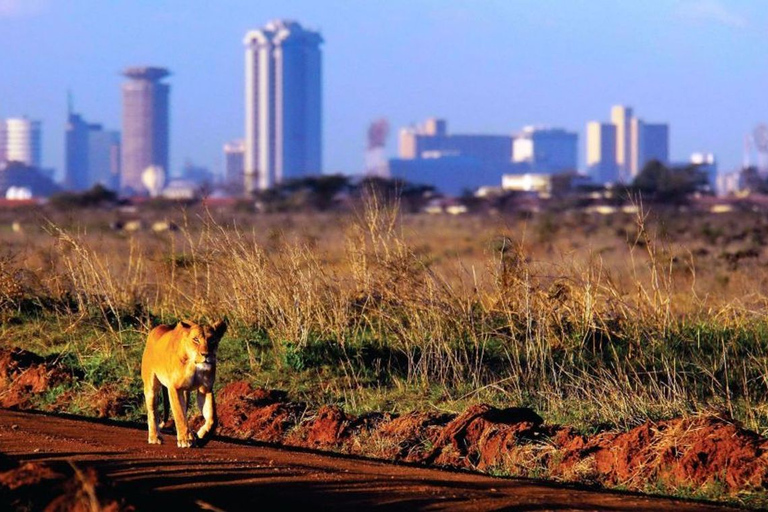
(92, 155)
(601, 152)
(633, 142)
(621, 117)
(145, 125)
(283, 120)
(20, 141)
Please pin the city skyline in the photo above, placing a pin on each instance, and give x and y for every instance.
(488, 67)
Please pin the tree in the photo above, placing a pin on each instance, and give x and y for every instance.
(658, 182)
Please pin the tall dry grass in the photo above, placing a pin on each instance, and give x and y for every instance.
(577, 338)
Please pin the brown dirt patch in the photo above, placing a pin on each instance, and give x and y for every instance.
(690, 452)
(24, 374)
(680, 453)
(259, 414)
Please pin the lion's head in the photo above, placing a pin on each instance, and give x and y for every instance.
(202, 342)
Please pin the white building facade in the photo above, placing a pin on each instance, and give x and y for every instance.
(20, 141)
(283, 107)
(546, 150)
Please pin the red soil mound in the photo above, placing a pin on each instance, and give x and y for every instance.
(688, 452)
(682, 452)
(23, 374)
(483, 435)
(258, 414)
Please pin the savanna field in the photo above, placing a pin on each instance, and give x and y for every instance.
(414, 334)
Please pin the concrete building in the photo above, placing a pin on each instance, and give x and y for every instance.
(20, 141)
(283, 110)
(621, 118)
(145, 125)
(431, 140)
(92, 155)
(453, 163)
(652, 144)
(234, 164)
(601, 152)
(636, 144)
(546, 150)
(707, 163)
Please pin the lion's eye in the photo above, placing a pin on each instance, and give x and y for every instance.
(196, 340)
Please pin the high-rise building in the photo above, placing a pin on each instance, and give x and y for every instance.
(546, 150)
(20, 141)
(653, 144)
(621, 117)
(601, 152)
(104, 159)
(283, 120)
(92, 155)
(635, 143)
(234, 155)
(145, 125)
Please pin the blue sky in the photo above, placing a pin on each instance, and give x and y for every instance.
(487, 66)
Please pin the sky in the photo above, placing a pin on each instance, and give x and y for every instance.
(486, 66)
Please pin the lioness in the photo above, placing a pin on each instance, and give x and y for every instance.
(181, 358)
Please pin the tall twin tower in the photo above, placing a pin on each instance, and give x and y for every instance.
(283, 121)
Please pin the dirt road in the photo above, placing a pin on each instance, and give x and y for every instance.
(227, 475)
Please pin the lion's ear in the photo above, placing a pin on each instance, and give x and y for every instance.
(220, 327)
(185, 324)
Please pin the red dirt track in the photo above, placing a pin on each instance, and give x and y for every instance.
(227, 475)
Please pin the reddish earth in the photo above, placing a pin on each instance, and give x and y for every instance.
(687, 453)
(61, 463)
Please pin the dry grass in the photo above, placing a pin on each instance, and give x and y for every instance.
(588, 319)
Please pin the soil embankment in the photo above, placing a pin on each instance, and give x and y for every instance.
(691, 453)
(113, 465)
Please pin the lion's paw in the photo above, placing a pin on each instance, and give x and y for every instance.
(155, 440)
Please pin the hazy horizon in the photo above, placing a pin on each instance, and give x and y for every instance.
(485, 66)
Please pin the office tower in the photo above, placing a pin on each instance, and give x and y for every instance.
(20, 140)
(92, 155)
(633, 142)
(104, 159)
(145, 125)
(653, 144)
(621, 117)
(234, 155)
(76, 175)
(601, 152)
(283, 131)
(546, 150)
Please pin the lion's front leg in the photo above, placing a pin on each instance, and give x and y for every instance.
(184, 438)
(151, 386)
(207, 405)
